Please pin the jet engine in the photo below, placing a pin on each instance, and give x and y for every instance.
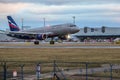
(41, 36)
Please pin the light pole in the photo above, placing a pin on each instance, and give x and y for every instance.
(44, 21)
(74, 19)
(22, 23)
(44, 24)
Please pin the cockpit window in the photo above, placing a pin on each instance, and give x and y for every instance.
(72, 25)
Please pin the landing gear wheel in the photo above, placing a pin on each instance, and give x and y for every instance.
(52, 42)
(36, 42)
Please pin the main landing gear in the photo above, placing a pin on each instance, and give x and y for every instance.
(52, 41)
(36, 42)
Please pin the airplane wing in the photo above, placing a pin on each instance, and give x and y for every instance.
(30, 35)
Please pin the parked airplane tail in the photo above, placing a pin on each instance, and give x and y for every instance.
(13, 26)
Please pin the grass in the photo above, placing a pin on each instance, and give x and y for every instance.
(71, 55)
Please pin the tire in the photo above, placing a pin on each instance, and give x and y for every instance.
(52, 42)
(36, 42)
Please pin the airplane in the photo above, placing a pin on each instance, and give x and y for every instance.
(61, 31)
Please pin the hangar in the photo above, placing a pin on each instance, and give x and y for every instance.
(98, 34)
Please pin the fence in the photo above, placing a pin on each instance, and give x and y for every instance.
(28, 70)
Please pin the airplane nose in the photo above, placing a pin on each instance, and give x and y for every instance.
(77, 29)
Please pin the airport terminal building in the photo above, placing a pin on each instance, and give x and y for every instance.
(98, 34)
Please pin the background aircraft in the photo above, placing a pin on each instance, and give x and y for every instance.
(61, 31)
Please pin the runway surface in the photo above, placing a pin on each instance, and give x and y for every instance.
(60, 45)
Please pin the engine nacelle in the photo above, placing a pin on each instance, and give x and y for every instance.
(41, 36)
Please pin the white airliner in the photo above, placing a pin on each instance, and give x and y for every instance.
(61, 31)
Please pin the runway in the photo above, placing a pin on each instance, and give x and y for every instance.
(60, 45)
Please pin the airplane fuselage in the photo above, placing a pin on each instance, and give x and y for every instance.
(56, 29)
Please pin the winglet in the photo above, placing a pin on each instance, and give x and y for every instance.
(12, 24)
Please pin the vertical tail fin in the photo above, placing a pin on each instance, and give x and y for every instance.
(13, 26)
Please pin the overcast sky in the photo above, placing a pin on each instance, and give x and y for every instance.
(92, 13)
